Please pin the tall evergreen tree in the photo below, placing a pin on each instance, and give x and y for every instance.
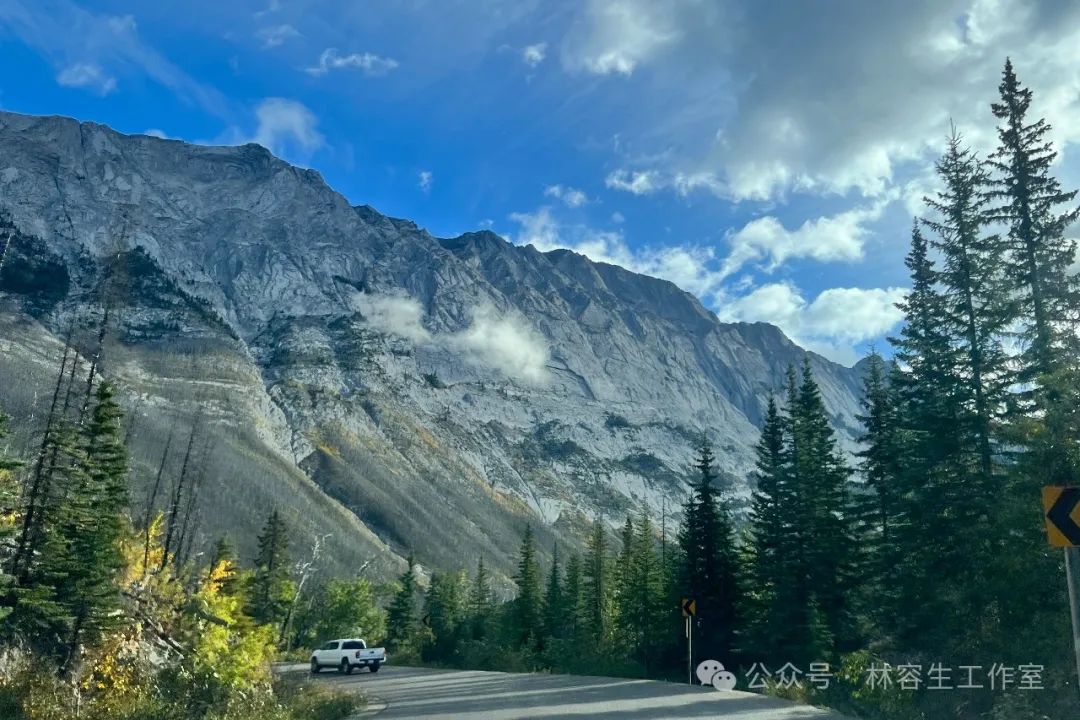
(977, 305)
(481, 602)
(401, 619)
(270, 583)
(446, 608)
(710, 558)
(88, 556)
(1029, 201)
(881, 462)
(528, 606)
(573, 598)
(824, 477)
(766, 558)
(648, 599)
(555, 607)
(596, 588)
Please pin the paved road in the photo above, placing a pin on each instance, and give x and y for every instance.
(473, 695)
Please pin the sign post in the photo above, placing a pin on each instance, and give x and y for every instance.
(1062, 508)
(689, 610)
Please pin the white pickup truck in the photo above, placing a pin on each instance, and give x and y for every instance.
(347, 655)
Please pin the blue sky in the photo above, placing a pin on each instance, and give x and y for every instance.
(766, 156)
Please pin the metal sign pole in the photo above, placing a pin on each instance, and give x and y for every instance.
(1072, 574)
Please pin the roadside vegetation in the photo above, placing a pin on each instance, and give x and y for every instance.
(106, 614)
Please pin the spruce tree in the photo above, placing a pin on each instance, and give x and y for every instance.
(446, 608)
(766, 558)
(977, 304)
(648, 600)
(528, 606)
(555, 607)
(1029, 201)
(881, 462)
(596, 588)
(573, 598)
(401, 627)
(270, 583)
(93, 528)
(824, 481)
(481, 602)
(710, 558)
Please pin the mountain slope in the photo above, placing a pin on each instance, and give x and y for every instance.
(400, 391)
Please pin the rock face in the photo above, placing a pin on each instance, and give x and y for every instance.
(400, 391)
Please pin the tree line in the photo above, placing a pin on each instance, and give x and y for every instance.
(926, 548)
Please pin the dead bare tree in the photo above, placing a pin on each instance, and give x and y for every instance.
(304, 569)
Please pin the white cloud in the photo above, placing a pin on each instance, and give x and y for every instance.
(618, 218)
(369, 63)
(838, 237)
(154, 132)
(533, 55)
(88, 76)
(286, 126)
(646, 182)
(835, 322)
(276, 35)
(571, 197)
(424, 180)
(505, 342)
(396, 314)
(640, 182)
(616, 36)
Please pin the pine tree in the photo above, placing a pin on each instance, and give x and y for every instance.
(595, 616)
(1030, 200)
(481, 603)
(574, 599)
(824, 480)
(977, 304)
(270, 584)
(766, 559)
(401, 617)
(710, 558)
(648, 600)
(528, 606)
(446, 608)
(555, 607)
(86, 555)
(625, 593)
(877, 506)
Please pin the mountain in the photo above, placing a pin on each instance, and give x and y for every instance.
(395, 390)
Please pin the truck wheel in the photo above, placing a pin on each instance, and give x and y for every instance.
(315, 666)
(345, 666)
(375, 667)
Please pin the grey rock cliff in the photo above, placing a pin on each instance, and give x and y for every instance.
(411, 392)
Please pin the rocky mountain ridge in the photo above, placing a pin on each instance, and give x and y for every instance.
(400, 391)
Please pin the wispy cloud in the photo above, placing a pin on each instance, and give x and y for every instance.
(276, 35)
(424, 180)
(285, 127)
(533, 55)
(88, 76)
(369, 63)
(106, 46)
(571, 197)
(505, 342)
